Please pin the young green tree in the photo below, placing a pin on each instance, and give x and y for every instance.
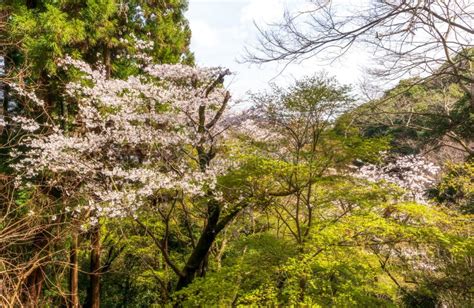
(357, 238)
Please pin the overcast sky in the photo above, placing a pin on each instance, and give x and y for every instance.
(221, 29)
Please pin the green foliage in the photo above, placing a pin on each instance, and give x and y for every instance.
(419, 113)
(240, 281)
(137, 271)
(44, 35)
(456, 188)
(45, 31)
(339, 278)
(362, 254)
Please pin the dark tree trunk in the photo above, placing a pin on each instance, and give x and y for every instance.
(107, 61)
(93, 292)
(199, 254)
(204, 265)
(74, 272)
(35, 285)
(34, 282)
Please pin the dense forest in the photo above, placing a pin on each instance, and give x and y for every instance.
(128, 178)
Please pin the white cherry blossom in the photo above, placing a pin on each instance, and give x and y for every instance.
(413, 173)
(131, 139)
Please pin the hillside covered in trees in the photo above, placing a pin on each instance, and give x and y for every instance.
(127, 178)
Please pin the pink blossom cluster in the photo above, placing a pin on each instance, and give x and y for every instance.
(413, 173)
(26, 124)
(131, 139)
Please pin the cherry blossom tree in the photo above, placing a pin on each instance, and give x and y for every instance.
(132, 142)
(413, 173)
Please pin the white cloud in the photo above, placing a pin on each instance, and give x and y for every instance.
(265, 11)
(222, 28)
(203, 35)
